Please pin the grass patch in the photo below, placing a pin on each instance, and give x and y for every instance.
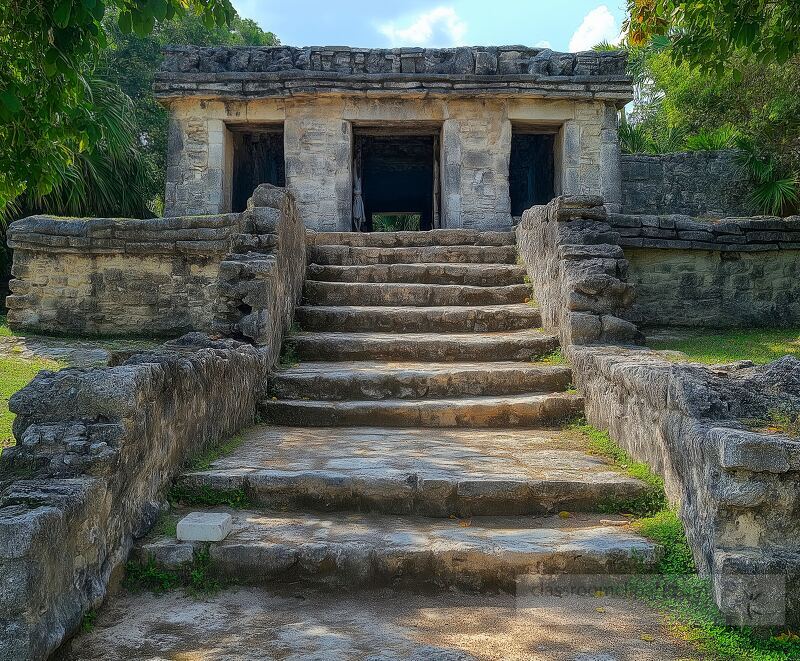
(196, 576)
(784, 420)
(182, 494)
(759, 345)
(555, 357)
(686, 599)
(673, 586)
(150, 577)
(87, 623)
(202, 462)
(600, 443)
(288, 357)
(5, 331)
(15, 374)
(166, 525)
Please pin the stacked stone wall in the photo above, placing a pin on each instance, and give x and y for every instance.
(162, 276)
(96, 450)
(98, 447)
(729, 273)
(110, 275)
(736, 490)
(698, 183)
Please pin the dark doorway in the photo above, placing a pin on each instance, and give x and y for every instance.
(257, 159)
(530, 171)
(396, 175)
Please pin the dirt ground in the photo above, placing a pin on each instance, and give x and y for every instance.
(253, 623)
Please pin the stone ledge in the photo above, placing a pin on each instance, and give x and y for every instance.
(476, 60)
(678, 232)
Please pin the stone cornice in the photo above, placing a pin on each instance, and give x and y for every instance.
(248, 73)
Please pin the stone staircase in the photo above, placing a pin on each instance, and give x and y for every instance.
(417, 439)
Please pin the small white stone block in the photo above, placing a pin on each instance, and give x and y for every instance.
(204, 527)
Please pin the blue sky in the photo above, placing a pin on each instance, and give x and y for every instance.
(559, 24)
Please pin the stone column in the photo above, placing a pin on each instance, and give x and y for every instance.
(610, 160)
(451, 174)
(570, 158)
(196, 165)
(318, 151)
(476, 146)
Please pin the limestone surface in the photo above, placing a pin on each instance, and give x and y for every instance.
(360, 550)
(436, 472)
(496, 275)
(448, 318)
(410, 380)
(451, 347)
(204, 527)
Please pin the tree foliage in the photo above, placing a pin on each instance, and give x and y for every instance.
(679, 106)
(131, 60)
(48, 113)
(710, 34)
(112, 179)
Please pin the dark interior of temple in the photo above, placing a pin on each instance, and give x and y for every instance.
(257, 159)
(397, 176)
(530, 172)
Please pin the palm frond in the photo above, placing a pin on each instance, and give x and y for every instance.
(776, 197)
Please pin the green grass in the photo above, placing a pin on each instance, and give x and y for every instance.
(5, 331)
(600, 443)
(181, 494)
(15, 374)
(553, 358)
(167, 525)
(197, 576)
(87, 623)
(203, 461)
(759, 345)
(675, 588)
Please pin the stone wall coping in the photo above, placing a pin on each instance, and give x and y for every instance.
(247, 72)
(481, 60)
(46, 233)
(736, 234)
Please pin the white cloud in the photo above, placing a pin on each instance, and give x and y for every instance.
(598, 25)
(543, 44)
(441, 26)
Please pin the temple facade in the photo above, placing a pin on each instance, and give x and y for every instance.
(451, 138)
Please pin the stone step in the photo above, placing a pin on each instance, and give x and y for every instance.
(453, 237)
(481, 275)
(385, 380)
(449, 347)
(348, 551)
(409, 319)
(356, 256)
(433, 472)
(486, 412)
(401, 293)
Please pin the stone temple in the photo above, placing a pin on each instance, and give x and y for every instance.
(361, 390)
(463, 137)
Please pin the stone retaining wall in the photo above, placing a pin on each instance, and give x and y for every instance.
(110, 275)
(727, 273)
(98, 447)
(577, 270)
(736, 490)
(237, 274)
(696, 183)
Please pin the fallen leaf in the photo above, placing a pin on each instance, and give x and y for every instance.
(465, 523)
(600, 609)
(564, 515)
(647, 637)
